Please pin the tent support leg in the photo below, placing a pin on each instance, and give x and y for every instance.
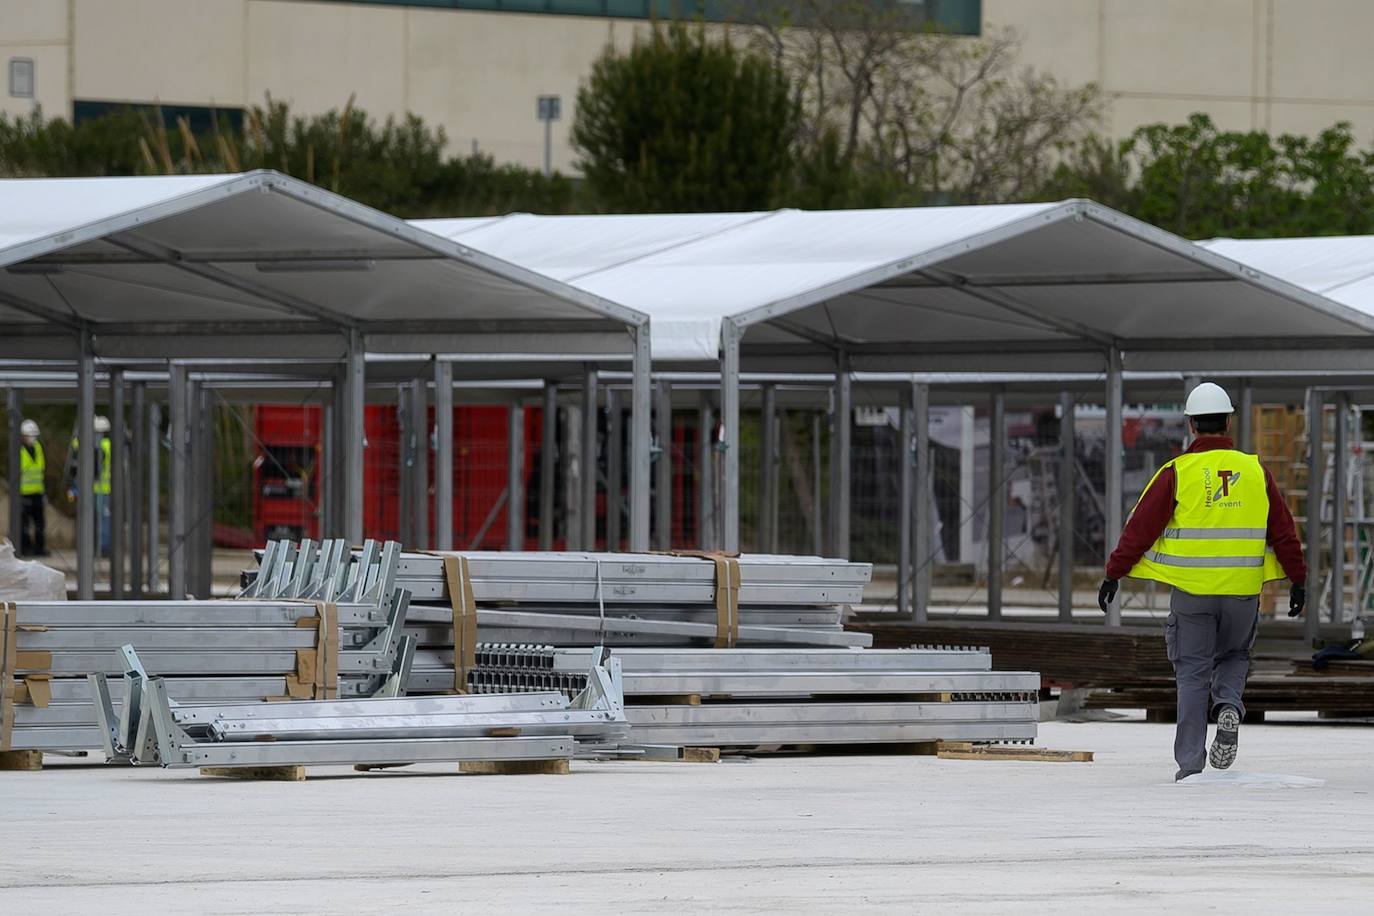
(1068, 472)
(118, 497)
(178, 470)
(640, 441)
(906, 505)
(14, 410)
(588, 482)
(729, 413)
(923, 527)
(443, 455)
(352, 422)
(997, 500)
(663, 468)
(548, 466)
(138, 459)
(840, 477)
(1316, 464)
(515, 478)
(1113, 469)
(706, 458)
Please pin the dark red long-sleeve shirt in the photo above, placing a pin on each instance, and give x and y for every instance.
(1156, 507)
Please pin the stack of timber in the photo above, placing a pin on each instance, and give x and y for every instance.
(245, 650)
(1066, 655)
(363, 732)
(785, 697)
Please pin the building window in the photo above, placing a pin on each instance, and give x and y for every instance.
(21, 77)
(201, 119)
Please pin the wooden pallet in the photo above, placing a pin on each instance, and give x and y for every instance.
(964, 750)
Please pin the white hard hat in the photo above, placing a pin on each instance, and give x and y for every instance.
(1208, 398)
(28, 428)
(102, 423)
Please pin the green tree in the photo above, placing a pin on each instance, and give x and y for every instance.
(398, 165)
(685, 123)
(1201, 182)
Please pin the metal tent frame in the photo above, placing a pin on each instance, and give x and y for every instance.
(263, 266)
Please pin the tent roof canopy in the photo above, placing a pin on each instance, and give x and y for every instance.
(904, 289)
(261, 264)
(1341, 268)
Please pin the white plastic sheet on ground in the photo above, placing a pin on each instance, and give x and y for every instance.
(1236, 779)
(28, 580)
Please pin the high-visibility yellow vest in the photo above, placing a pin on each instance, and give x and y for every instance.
(31, 469)
(102, 466)
(102, 480)
(1216, 542)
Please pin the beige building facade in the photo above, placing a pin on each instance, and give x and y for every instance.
(1281, 65)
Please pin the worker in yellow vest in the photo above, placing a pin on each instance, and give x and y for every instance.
(33, 467)
(1212, 524)
(101, 487)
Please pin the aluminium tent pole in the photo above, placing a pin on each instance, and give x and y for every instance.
(419, 424)
(923, 527)
(515, 477)
(1113, 468)
(138, 460)
(351, 422)
(768, 471)
(118, 493)
(85, 471)
(1068, 461)
(817, 493)
(205, 517)
(663, 469)
(905, 504)
(405, 457)
(443, 454)
(967, 460)
(840, 478)
(640, 440)
(1245, 433)
(587, 492)
(997, 500)
(154, 434)
(1316, 464)
(176, 481)
(14, 409)
(1339, 490)
(706, 457)
(729, 415)
(615, 469)
(548, 466)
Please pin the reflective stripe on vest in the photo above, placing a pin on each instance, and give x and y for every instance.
(31, 469)
(1215, 543)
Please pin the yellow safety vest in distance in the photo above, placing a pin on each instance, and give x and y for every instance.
(102, 477)
(31, 469)
(1215, 543)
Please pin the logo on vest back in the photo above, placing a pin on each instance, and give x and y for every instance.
(1213, 496)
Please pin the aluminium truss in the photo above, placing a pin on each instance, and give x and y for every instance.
(151, 729)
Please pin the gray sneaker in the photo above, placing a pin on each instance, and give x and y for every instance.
(1223, 752)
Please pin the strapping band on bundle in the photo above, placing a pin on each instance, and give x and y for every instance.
(464, 604)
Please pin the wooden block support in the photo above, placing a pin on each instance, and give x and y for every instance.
(273, 774)
(21, 760)
(963, 750)
(557, 767)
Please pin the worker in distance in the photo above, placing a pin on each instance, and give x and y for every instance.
(1212, 524)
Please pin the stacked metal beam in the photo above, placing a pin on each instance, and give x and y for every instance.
(233, 650)
(760, 697)
(152, 729)
(620, 599)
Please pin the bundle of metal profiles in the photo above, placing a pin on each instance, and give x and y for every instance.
(618, 599)
(243, 650)
(152, 729)
(751, 697)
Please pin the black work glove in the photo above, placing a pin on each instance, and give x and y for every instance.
(1107, 593)
(1297, 599)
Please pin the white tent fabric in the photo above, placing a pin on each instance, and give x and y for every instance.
(1341, 268)
(227, 255)
(1028, 275)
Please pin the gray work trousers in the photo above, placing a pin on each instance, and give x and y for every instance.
(1208, 638)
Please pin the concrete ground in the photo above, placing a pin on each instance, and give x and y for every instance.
(804, 834)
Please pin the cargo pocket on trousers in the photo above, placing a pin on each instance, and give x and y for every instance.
(1171, 638)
